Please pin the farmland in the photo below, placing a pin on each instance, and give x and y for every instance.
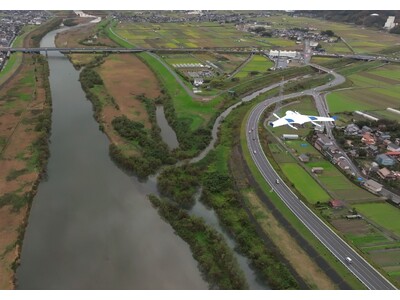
(304, 183)
(257, 64)
(374, 88)
(362, 40)
(382, 214)
(195, 35)
(190, 35)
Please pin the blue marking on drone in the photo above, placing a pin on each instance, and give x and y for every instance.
(290, 120)
(313, 118)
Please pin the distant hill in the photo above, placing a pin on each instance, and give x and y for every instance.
(367, 18)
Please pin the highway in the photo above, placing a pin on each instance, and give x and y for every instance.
(370, 277)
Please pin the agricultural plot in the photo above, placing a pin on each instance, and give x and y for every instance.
(383, 214)
(228, 63)
(334, 181)
(304, 183)
(257, 63)
(387, 115)
(374, 89)
(279, 153)
(175, 59)
(191, 35)
(362, 40)
(302, 147)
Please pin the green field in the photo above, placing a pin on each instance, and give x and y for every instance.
(198, 113)
(304, 183)
(180, 59)
(187, 35)
(383, 214)
(373, 88)
(258, 63)
(338, 184)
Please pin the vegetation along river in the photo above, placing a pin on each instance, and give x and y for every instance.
(91, 225)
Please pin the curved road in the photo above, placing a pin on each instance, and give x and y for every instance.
(370, 277)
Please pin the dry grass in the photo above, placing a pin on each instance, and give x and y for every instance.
(293, 252)
(17, 122)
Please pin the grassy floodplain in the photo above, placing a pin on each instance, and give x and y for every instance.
(196, 111)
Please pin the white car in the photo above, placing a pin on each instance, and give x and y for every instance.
(348, 260)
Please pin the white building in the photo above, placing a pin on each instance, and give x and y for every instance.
(389, 23)
(282, 53)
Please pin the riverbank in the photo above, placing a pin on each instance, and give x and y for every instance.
(24, 131)
(25, 124)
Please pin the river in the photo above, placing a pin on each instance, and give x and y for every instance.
(91, 225)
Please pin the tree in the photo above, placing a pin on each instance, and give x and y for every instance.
(328, 32)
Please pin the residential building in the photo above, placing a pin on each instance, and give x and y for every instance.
(384, 160)
(373, 186)
(344, 164)
(317, 170)
(393, 147)
(368, 138)
(304, 158)
(351, 129)
(385, 173)
(365, 129)
(334, 203)
(322, 142)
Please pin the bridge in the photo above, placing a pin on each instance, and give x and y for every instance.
(124, 50)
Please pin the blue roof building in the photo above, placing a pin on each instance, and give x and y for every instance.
(385, 160)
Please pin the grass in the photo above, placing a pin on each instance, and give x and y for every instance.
(375, 87)
(198, 112)
(304, 183)
(344, 101)
(383, 214)
(258, 63)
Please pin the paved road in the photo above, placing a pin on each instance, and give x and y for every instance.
(371, 278)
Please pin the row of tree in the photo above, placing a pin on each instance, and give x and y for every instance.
(208, 247)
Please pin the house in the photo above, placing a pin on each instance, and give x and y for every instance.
(373, 186)
(373, 149)
(334, 203)
(368, 138)
(344, 164)
(352, 129)
(337, 157)
(304, 158)
(365, 129)
(198, 81)
(384, 160)
(317, 170)
(393, 147)
(385, 173)
(384, 137)
(322, 142)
